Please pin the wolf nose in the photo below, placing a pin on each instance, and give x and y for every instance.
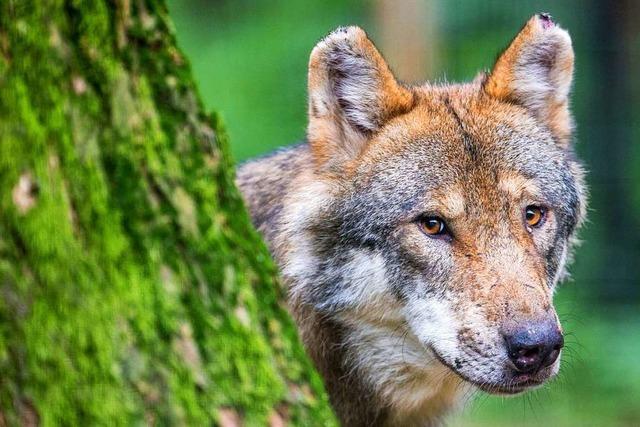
(535, 346)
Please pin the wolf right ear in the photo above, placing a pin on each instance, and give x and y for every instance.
(352, 93)
(536, 71)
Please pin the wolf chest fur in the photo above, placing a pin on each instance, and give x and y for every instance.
(421, 230)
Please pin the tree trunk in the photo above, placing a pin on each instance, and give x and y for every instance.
(409, 37)
(132, 287)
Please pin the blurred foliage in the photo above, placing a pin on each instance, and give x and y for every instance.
(250, 59)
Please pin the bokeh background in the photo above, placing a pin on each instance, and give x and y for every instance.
(250, 58)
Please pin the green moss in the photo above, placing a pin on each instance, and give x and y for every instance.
(133, 289)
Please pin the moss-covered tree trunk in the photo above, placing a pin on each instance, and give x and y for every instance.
(132, 288)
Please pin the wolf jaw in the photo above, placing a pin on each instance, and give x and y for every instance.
(401, 324)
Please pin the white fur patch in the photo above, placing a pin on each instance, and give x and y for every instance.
(435, 324)
(406, 374)
(364, 279)
(304, 203)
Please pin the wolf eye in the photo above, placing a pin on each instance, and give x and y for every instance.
(534, 215)
(433, 226)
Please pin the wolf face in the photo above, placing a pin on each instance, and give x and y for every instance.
(429, 225)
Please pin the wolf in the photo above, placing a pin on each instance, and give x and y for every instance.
(421, 230)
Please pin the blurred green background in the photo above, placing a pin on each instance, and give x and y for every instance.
(250, 58)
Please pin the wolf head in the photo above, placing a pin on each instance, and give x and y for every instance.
(440, 215)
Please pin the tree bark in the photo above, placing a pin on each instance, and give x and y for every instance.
(132, 286)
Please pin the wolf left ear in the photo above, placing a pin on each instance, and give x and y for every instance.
(352, 93)
(536, 71)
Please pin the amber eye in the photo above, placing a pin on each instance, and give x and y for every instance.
(433, 226)
(534, 215)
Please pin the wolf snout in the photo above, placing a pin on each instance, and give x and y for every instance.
(534, 346)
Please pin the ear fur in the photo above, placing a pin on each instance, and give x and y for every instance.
(536, 71)
(352, 93)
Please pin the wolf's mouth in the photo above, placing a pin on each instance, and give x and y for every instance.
(501, 389)
(513, 387)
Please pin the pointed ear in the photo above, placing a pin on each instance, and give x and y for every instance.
(352, 93)
(536, 71)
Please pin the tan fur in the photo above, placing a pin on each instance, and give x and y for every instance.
(516, 185)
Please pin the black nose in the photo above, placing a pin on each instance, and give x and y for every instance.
(535, 346)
